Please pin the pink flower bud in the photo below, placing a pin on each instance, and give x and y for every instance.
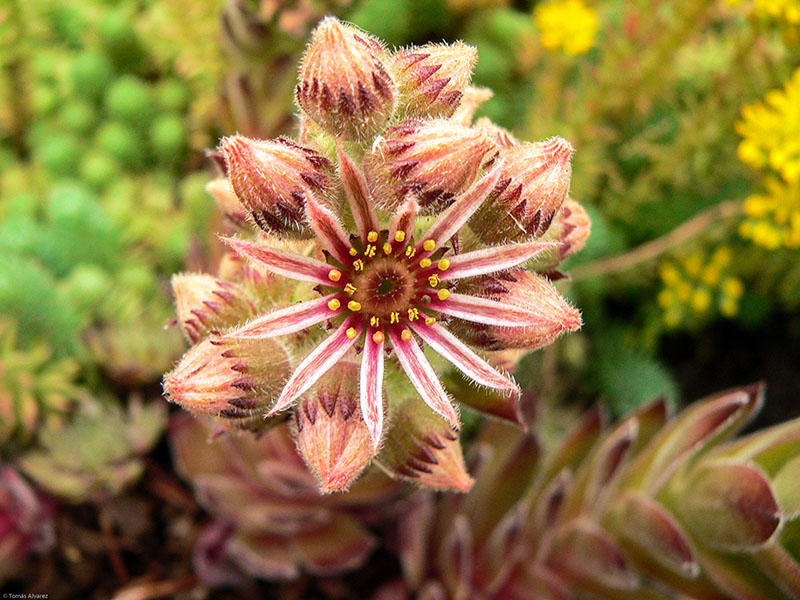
(344, 85)
(575, 227)
(470, 102)
(432, 160)
(222, 191)
(271, 178)
(533, 185)
(431, 79)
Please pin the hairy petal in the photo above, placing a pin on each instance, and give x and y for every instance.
(490, 260)
(282, 262)
(286, 320)
(355, 186)
(328, 229)
(371, 384)
(483, 310)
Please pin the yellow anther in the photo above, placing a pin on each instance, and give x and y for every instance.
(405, 335)
(413, 314)
(374, 321)
(430, 320)
(351, 333)
(387, 248)
(410, 252)
(372, 236)
(399, 236)
(429, 245)
(370, 251)
(394, 317)
(334, 274)
(425, 263)
(350, 289)
(378, 337)
(443, 294)
(443, 264)
(358, 265)
(334, 304)
(354, 306)
(433, 280)
(353, 252)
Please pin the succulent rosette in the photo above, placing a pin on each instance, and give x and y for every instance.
(396, 242)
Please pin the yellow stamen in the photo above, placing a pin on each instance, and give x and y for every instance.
(334, 274)
(351, 333)
(443, 264)
(413, 314)
(430, 321)
(425, 263)
(353, 252)
(410, 252)
(370, 251)
(372, 236)
(374, 321)
(399, 236)
(378, 337)
(354, 306)
(429, 245)
(387, 248)
(394, 317)
(433, 280)
(334, 304)
(350, 289)
(358, 265)
(443, 294)
(405, 335)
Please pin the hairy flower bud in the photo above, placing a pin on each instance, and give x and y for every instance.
(501, 136)
(433, 160)
(431, 79)
(574, 230)
(518, 287)
(271, 178)
(205, 303)
(233, 381)
(344, 85)
(331, 433)
(471, 101)
(533, 185)
(222, 191)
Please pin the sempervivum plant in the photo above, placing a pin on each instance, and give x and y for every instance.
(654, 507)
(400, 228)
(270, 520)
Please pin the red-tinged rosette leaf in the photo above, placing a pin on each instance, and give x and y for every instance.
(455, 558)
(494, 402)
(433, 161)
(786, 486)
(263, 556)
(536, 582)
(652, 532)
(205, 303)
(503, 549)
(341, 545)
(737, 575)
(344, 84)
(331, 433)
(585, 555)
(414, 529)
(234, 381)
(727, 506)
(423, 448)
(703, 424)
(432, 78)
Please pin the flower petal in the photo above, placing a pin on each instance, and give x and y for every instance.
(328, 229)
(483, 310)
(286, 320)
(317, 363)
(451, 220)
(355, 186)
(489, 260)
(458, 353)
(371, 388)
(422, 375)
(282, 262)
(403, 219)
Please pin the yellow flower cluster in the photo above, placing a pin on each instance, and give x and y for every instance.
(771, 131)
(696, 284)
(785, 10)
(773, 218)
(568, 25)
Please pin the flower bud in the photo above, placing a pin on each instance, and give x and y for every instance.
(344, 85)
(204, 303)
(433, 160)
(470, 102)
(222, 191)
(575, 227)
(533, 185)
(519, 288)
(271, 179)
(431, 79)
(331, 433)
(236, 382)
(502, 137)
